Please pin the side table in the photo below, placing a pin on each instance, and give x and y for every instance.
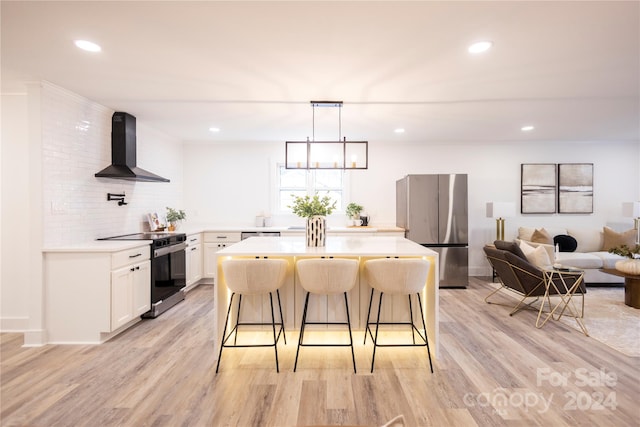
(631, 286)
(563, 283)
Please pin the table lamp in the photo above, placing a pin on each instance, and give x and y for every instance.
(500, 211)
(632, 210)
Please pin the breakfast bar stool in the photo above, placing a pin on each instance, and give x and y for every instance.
(252, 277)
(400, 276)
(326, 276)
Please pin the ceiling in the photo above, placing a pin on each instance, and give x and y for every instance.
(571, 69)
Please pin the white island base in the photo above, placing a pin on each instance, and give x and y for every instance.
(329, 308)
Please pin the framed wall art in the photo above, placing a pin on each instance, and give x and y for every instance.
(575, 188)
(539, 185)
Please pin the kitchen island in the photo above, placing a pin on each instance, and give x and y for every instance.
(361, 248)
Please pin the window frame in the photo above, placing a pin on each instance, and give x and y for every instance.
(310, 188)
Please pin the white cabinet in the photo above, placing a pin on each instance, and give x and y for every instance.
(121, 297)
(213, 242)
(91, 295)
(193, 256)
(142, 289)
(130, 293)
(130, 285)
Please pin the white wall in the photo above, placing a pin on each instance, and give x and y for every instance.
(14, 222)
(230, 183)
(76, 145)
(53, 142)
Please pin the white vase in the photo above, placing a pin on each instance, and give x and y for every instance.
(629, 266)
(316, 230)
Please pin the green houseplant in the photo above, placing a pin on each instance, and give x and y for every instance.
(174, 216)
(353, 210)
(307, 207)
(314, 209)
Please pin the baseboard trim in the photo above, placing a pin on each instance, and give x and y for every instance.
(35, 338)
(480, 271)
(14, 324)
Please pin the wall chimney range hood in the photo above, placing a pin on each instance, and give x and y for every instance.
(123, 152)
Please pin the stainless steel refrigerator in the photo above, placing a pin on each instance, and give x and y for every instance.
(433, 211)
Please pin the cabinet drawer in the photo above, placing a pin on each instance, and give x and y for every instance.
(221, 236)
(130, 256)
(194, 239)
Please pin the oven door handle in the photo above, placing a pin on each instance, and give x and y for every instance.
(169, 249)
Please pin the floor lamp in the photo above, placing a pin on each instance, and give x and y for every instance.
(500, 211)
(632, 210)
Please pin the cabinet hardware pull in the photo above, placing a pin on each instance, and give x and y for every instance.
(138, 268)
(134, 256)
(132, 269)
(193, 249)
(193, 240)
(221, 237)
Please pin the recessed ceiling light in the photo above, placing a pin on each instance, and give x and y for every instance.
(87, 45)
(214, 129)
(527, 128)
(399, 130)
(480, 47)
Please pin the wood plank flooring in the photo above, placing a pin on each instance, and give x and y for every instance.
(493, 370)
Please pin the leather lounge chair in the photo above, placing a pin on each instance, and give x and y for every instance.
(523, 278)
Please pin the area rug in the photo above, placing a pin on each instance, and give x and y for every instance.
(609, 320)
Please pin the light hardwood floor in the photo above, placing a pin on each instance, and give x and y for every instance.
(162, 373)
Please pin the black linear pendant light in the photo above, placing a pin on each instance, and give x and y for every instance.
(338, 154)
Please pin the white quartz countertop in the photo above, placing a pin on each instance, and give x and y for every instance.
(120, 245)
(192, 229)
(99, 246)
(335, 246)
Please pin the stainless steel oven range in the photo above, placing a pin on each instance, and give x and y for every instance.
(168, 268)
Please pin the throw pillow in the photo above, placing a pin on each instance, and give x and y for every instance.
(551, 250)
(509, 246)
(526, 248)
(565, 243)
(542, 236)
(613, 239)
(537, 256)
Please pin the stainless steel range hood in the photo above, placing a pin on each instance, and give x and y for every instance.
(123, 152)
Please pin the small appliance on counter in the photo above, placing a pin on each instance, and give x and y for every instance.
(168, 268)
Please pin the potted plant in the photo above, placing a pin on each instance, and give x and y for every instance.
(353, 210)
(314, 209)
(630, 265)
(174, 216)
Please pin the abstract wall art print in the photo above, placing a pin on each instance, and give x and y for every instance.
(575, 185)
(539, 185)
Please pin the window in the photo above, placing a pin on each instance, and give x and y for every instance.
(300, 182)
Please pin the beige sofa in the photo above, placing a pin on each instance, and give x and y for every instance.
(589, 254)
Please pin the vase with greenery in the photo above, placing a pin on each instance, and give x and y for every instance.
(174, 216)
(314, 209)
(630, 265)
(353, 210)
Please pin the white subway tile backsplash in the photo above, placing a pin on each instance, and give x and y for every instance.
(76, 144)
